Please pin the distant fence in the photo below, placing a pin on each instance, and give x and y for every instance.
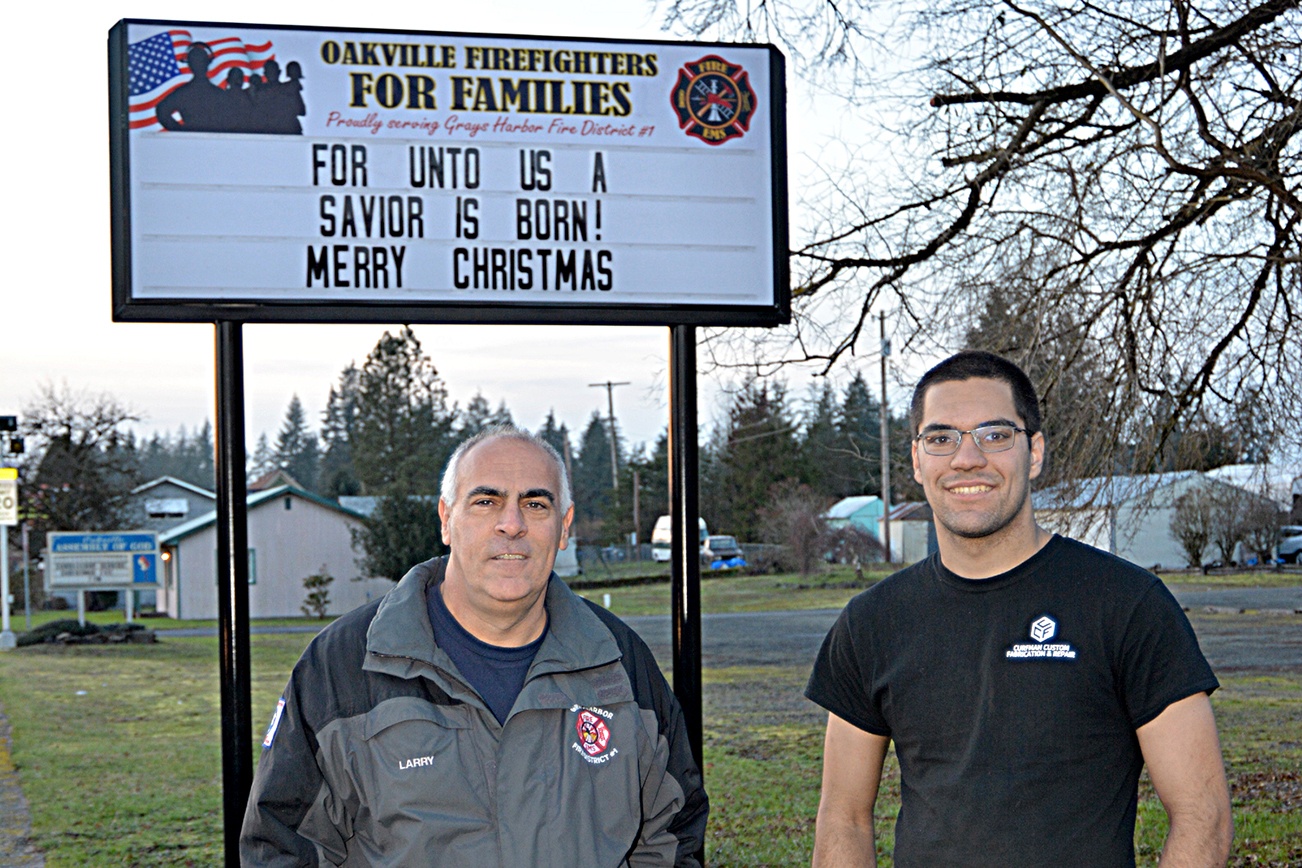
(603, 566)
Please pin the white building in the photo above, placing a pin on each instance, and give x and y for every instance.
(913, 532)
(166, 502)
(1129, 516)
(1280, 483)
(292, 534)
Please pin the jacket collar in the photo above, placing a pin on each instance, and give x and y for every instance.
(576, 638)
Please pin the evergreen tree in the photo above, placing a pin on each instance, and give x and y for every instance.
(904, 488)
(860, 424)
(501, 416)
(297, 451)
(263, 460)
(821, 452)
(337, 477)
(558, 437)
(474, 418)
(200, 467)
(153, 456)
(653, 485)
(402, 425)
(479, 415)
(403, 531)
(402, 435)
(758, 449)
(711, 475)
(157, 458)
(593, 497)
(1252, 439)
(185, 457)
(1073, 393)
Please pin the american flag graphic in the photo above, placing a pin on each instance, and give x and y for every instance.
(156, 66)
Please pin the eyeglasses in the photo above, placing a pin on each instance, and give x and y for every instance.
(988, 438)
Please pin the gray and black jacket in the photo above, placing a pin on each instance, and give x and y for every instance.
(383, 755)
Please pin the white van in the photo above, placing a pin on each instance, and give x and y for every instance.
(662, 538)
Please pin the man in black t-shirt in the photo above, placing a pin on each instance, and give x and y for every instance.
(1025, 678)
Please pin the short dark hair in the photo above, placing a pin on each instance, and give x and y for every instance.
(973, 364)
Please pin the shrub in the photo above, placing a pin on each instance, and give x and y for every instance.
(317, 601)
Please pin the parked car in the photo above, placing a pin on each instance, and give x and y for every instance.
(1290, 543)
(721, 552)
(613, 553)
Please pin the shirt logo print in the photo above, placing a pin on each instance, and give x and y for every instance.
(1041, 631)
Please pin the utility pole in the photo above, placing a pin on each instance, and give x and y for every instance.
(11, 443)
(886, 445)
(27, 574)
(610, 403)
(637, 517)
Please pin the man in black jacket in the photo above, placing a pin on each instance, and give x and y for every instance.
(480, 713)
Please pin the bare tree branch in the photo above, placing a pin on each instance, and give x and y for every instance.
(1113, 194)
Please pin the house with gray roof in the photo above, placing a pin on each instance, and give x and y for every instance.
(166, 502)
(293, 534)
(1129, 516)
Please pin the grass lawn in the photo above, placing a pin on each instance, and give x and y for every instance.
(118, 747)
(118, 617)
(1285, 577)
(731, 592)
(763, 775)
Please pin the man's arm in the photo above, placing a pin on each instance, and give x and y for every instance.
(675, 822)
(852, 770)
(1183, 754)
(292, 818)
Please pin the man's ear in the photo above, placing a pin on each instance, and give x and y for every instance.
(444, 530)
(566, 521)
(1038, 447)
(917, 471)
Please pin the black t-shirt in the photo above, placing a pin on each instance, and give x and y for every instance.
(497, 673)
(1013, 702)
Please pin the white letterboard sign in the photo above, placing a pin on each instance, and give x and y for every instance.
(297, 175)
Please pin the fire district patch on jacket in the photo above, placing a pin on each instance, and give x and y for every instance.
(593, 742)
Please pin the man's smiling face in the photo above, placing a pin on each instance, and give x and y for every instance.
(504, 527)
(974, 494)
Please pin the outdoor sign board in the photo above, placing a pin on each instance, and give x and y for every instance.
(95, 560)
(287, 174)
(8, 496)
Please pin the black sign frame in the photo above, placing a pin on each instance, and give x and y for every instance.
(127, 308)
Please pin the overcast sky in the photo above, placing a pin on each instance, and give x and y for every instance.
(56, 311)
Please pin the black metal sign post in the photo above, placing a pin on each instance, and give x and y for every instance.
(233, 587)
(684, 489)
